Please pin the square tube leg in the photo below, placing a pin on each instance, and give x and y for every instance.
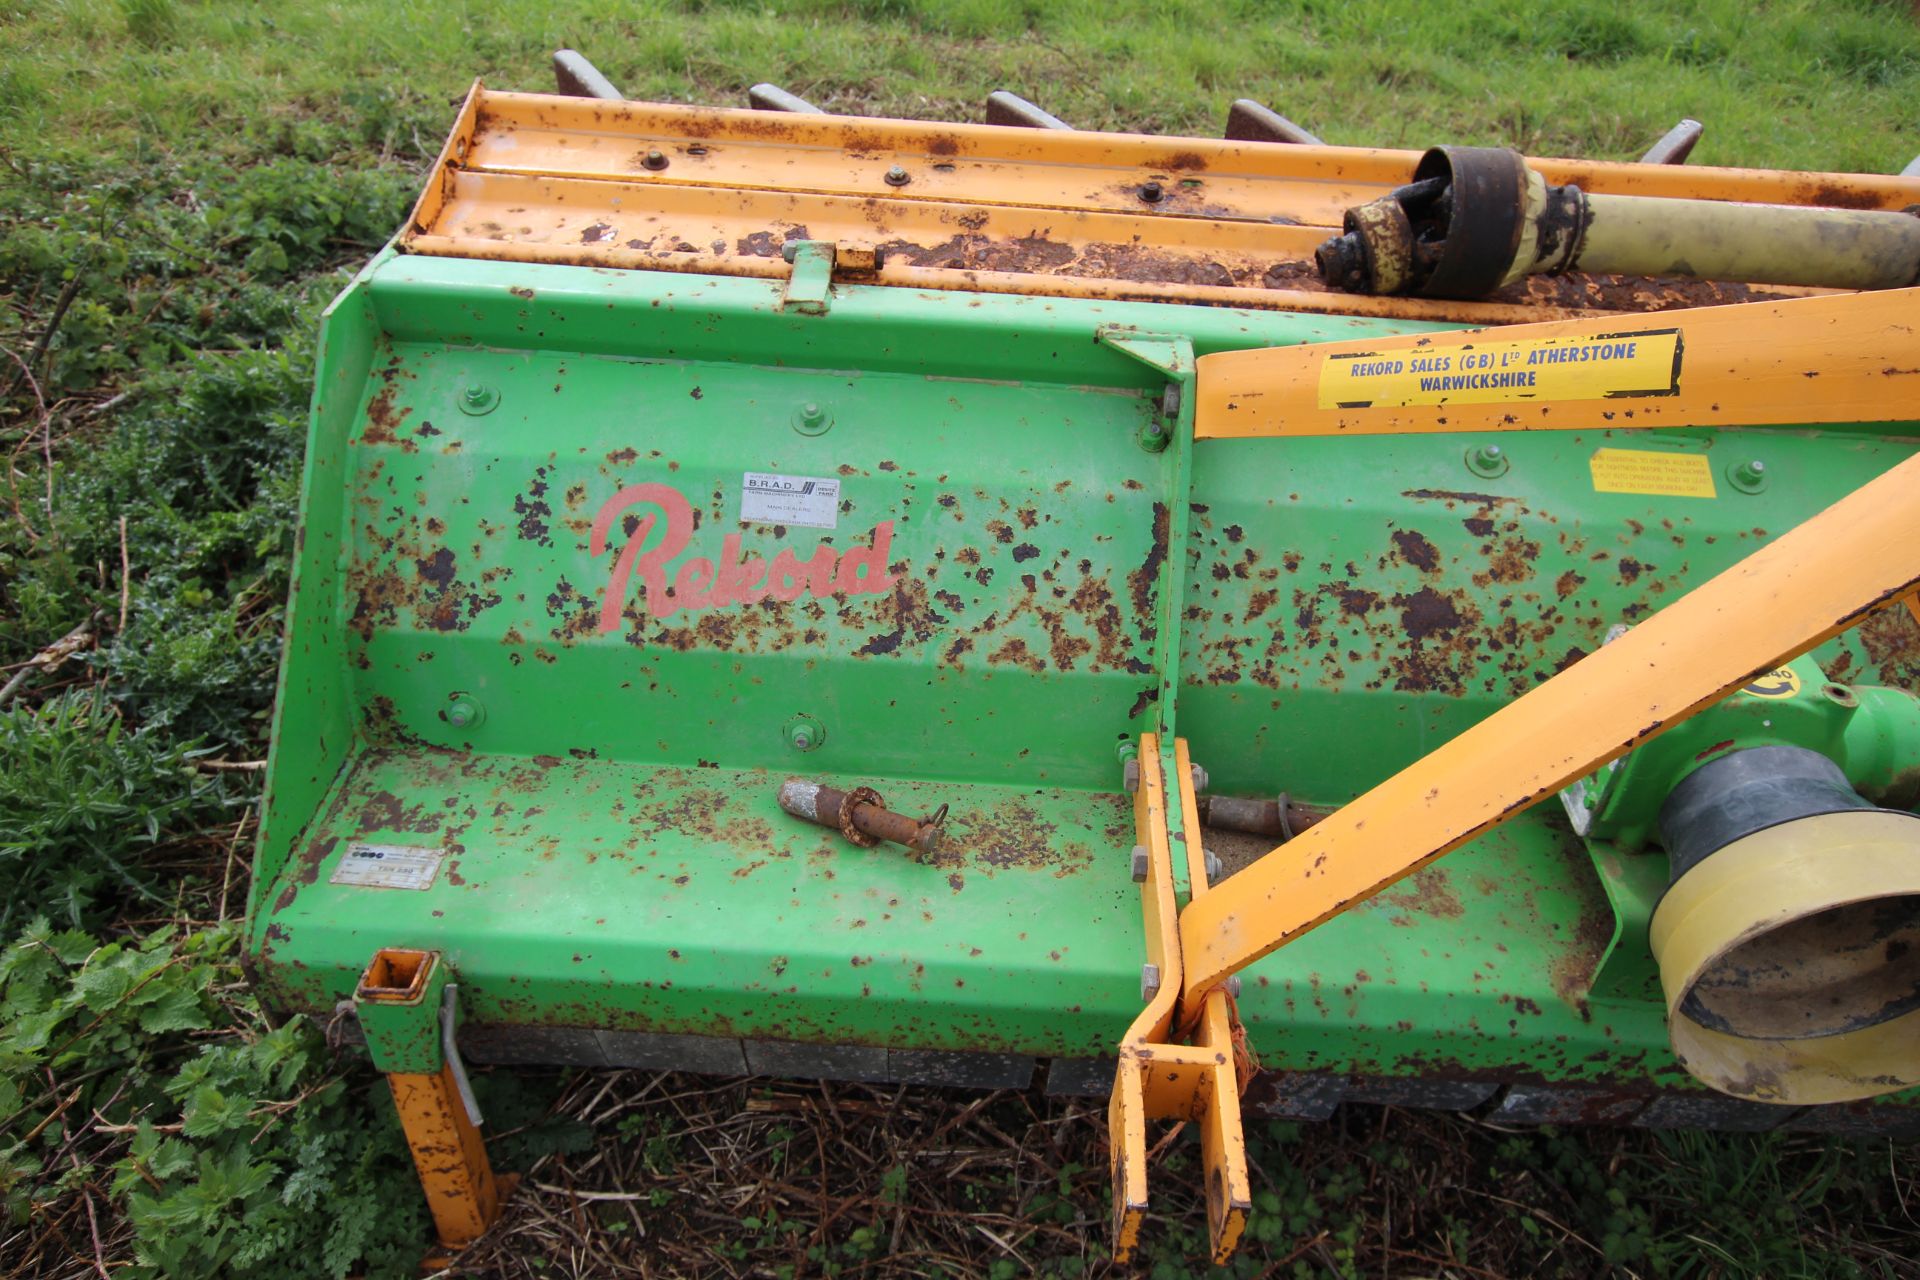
(456, 1175)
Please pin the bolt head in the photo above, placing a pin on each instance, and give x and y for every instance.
(464, 713)
(478, 399)
(1749, 475)
(803, 733)
(898, 176)
(1488, 460)
(1152, 192)
(812, 418)
(655, 159)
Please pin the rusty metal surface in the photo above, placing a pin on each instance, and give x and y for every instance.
(952, 1069)
(1080, 1077)
(1862, 1119)
(1711, 1111)
(1433, 1093)
(1565, 1104)
(1282, 816)
(529, 178)
(1295, 1095)
(816, 1061)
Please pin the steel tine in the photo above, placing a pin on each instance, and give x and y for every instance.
(1013, 110)
(578, 78)
(771, 97)
(1676, 145)
(1249, 121)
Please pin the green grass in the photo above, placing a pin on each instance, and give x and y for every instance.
(1814, 84)
(183, 185)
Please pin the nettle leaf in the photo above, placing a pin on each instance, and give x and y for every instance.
(234, 1175)
(158, 1217)
(29, 1033)
(284, 1052)
(170, 1159)
(106, 981)
(71, 945)
(211, 1112)
(176, 1009)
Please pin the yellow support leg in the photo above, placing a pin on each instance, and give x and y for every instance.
(462, 1193)
(406, 1001)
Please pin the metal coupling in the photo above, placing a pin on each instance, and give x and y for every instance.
(861, 815)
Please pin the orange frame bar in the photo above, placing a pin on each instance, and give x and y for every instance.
(539, 178)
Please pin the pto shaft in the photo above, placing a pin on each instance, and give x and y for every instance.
(1476, 219)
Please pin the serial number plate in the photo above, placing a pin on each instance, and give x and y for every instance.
(389, 866)
(809, 501)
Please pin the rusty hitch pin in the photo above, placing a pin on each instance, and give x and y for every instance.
(861, 815)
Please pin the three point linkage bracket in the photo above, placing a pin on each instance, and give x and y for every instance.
(1159, 1078)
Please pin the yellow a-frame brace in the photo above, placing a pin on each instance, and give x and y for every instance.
(1745, 365)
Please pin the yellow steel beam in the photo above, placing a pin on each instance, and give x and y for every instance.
(1806, 586)
(1837, 358)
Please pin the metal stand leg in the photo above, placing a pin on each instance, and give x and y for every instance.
(406, 1005)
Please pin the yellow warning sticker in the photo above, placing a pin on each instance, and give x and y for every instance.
(1590, 367)
(1781, 682)
(1669, 475)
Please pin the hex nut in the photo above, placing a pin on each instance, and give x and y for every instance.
(1141, 864)
(464, 711)
(1149, 981)
(479, 399)
(1130, 776)
(811, 418)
